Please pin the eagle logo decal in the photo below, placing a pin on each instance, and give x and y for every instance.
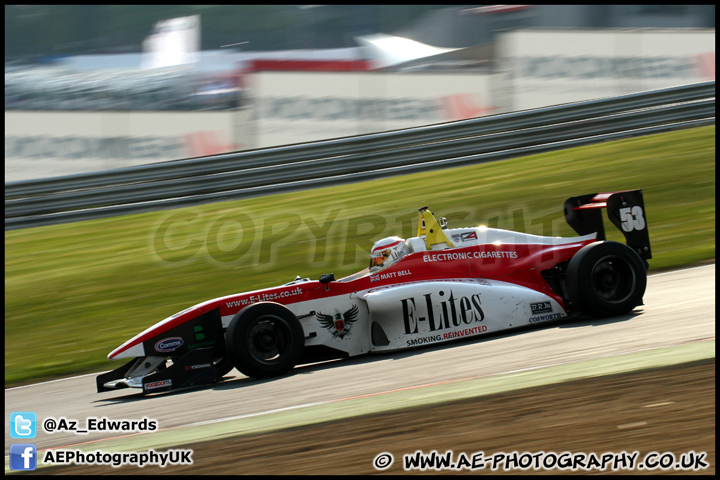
(341, 324)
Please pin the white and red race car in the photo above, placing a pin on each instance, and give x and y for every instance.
(441, 285)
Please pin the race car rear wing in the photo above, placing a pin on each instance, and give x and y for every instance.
(626, 211)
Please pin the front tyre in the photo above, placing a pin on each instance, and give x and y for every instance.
(265, 340)
(606, 279)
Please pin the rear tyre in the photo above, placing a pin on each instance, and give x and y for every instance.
(265, 340)
(606, 279)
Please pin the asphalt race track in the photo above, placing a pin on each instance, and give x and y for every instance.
(679, 309)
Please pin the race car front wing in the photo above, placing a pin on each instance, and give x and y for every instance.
(153, 374)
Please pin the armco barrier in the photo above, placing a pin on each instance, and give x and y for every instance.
(287, 168)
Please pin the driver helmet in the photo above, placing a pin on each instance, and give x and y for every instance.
(386, 252)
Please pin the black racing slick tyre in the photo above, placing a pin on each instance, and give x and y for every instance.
(265, 340)
(606, 279)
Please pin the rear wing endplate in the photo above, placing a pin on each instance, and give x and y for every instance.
(626, 211)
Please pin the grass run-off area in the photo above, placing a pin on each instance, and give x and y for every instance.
(74, 292)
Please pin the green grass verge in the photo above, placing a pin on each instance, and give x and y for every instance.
(74, 292)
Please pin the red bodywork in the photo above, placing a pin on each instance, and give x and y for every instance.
(521, 264)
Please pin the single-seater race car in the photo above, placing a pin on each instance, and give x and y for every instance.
(443, 284)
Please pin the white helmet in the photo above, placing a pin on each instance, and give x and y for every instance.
(387, 251)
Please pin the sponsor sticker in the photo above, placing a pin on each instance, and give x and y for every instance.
(462, 237)
(158, 384)
(169, 344)
(445, 257)
(198, 367)
(541, 307)
(545, 318)
(339, 324)
(440, 311)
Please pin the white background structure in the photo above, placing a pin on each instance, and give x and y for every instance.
(535, 68)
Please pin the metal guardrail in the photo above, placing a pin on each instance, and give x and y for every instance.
(288, 168)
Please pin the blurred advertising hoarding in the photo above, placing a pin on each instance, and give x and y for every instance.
(535, 68)
(51, 144)
(294, 107)
(281, 108)
(550, 67)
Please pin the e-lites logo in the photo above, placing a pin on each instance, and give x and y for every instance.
(23, 456)
(23, 425)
